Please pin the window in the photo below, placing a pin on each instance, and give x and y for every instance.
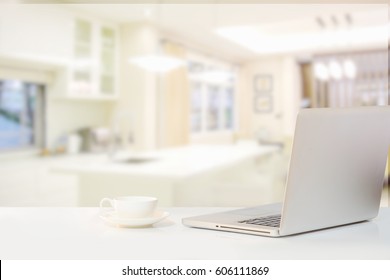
(21, 115)
(213, 108)
(212, 91)
(228, 107)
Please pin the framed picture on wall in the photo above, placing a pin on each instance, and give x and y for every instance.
(262, 83)
(263, 103)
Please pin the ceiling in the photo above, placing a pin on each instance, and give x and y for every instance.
(196, 24)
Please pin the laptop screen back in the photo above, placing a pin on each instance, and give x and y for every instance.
(337, 167)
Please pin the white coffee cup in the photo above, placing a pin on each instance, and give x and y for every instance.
(133, 207)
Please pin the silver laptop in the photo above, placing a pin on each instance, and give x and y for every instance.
(335, 177)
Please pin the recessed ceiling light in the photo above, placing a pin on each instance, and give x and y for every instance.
(349, 69)
(147, 12)
(321, 72)
(335, 70)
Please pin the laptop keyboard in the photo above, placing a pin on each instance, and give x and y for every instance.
(269, 221)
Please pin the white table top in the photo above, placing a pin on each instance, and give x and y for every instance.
(174, 163)
(79, 233)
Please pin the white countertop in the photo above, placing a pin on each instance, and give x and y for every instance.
(79, 233)
(179, 162)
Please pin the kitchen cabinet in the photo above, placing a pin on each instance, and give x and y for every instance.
(28, 182)
(93, 70)
(82, 51)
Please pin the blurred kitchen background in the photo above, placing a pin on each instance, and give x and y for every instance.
(194, 104)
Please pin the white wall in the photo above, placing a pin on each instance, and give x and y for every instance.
(43, 31)
(291, 94)
(280, 122)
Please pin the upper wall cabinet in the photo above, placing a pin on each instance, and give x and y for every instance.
(93, 70)
(82, 51)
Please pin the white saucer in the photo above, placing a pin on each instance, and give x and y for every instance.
(112, 218)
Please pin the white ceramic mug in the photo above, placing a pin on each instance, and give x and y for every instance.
(133, 207)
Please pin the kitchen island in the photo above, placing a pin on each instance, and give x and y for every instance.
(177, 176)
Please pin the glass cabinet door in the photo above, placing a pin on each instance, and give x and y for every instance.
(107, 60)
(82, 64)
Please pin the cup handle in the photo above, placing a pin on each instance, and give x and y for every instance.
(106, 200)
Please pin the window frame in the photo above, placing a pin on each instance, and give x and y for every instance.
(223, 88)
(39, 125)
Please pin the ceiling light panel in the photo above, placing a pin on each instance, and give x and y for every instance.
(157, 63)
(268, 40)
